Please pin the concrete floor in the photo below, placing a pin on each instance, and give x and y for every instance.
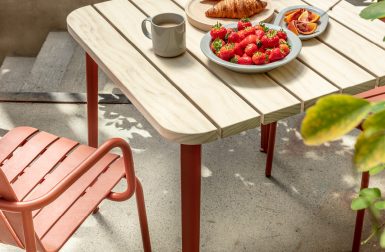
(304, 207)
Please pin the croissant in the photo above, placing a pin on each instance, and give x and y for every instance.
(236, 8)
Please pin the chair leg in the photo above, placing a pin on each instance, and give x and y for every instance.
(270, 148)
(264, 137)
(142, 217)
(360, 217)
(29, 232)
(96, 210)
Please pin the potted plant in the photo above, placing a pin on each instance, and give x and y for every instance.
(335, 115)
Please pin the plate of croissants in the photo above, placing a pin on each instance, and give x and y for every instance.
(204, 13)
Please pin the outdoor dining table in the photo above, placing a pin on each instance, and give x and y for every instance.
(191, 101)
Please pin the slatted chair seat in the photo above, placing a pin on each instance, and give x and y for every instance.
(33, 163)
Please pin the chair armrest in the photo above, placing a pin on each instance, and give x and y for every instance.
(63, 185)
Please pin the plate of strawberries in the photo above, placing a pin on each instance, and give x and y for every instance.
(250, 47)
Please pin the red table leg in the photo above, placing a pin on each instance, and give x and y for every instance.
(264, 137)
(360, 217)
(191, 196)
(92, 101)
(270, 148)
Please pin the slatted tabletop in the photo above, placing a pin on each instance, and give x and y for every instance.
(190, 100)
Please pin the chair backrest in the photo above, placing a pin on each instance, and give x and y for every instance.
(11, 224)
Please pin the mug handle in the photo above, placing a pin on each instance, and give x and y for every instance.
(144, 27)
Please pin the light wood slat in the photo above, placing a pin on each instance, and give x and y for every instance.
(307, 87)
(343, 73)
(323, 4)
(281, 4)
(10, 141)
(348, 14)
(356, 48)
(352, 46)
(47, 217)
(220, 103)
(23, 157)
(303, 82)
(35, 173)
(64, 228)
(171, 114)
(261, 92)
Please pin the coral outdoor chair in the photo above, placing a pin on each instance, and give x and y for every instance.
(267, 146)
(49, 185)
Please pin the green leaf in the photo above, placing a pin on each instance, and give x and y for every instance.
(370, 193)
(382, 239)
(377, 169)
(332, 117)
(380, 205)
(374, 11)
(378, 107)
(374, 123)
(369, 150)
(359, 204)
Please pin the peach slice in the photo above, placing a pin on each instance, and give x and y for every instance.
(306, 28)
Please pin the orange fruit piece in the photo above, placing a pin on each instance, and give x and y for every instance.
(292, 26)
(306, 28)
(293, 15)
(313, 17)
(290, 12)
(308, 17)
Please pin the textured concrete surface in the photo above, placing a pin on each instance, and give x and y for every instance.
(59, 67)
(24, 24)
(14, 73)
(304, 207)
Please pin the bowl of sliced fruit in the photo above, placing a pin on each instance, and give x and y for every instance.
(250, 47)
(305, 21)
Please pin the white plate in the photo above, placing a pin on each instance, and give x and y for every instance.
(195, 11)
(292, 39)
(322, 23)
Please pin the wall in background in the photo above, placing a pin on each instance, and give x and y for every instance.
(24, 24)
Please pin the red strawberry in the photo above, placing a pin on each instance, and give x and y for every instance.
(242, 35)
(264, 41)
(251, 49)
(259, 28)
(243, 23)
(251, 39)
(216, 45)
(238, 49)
(249, 30)
(228, 32)
(235, 59)
(226, 52)
(233, 38)
(285, 49)
(245, 60)
(259, 58)
(273, 39)
(282, 41)
(268, 51)
(259, 33)
(275, 55)
(282, 35)
(218, 31)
